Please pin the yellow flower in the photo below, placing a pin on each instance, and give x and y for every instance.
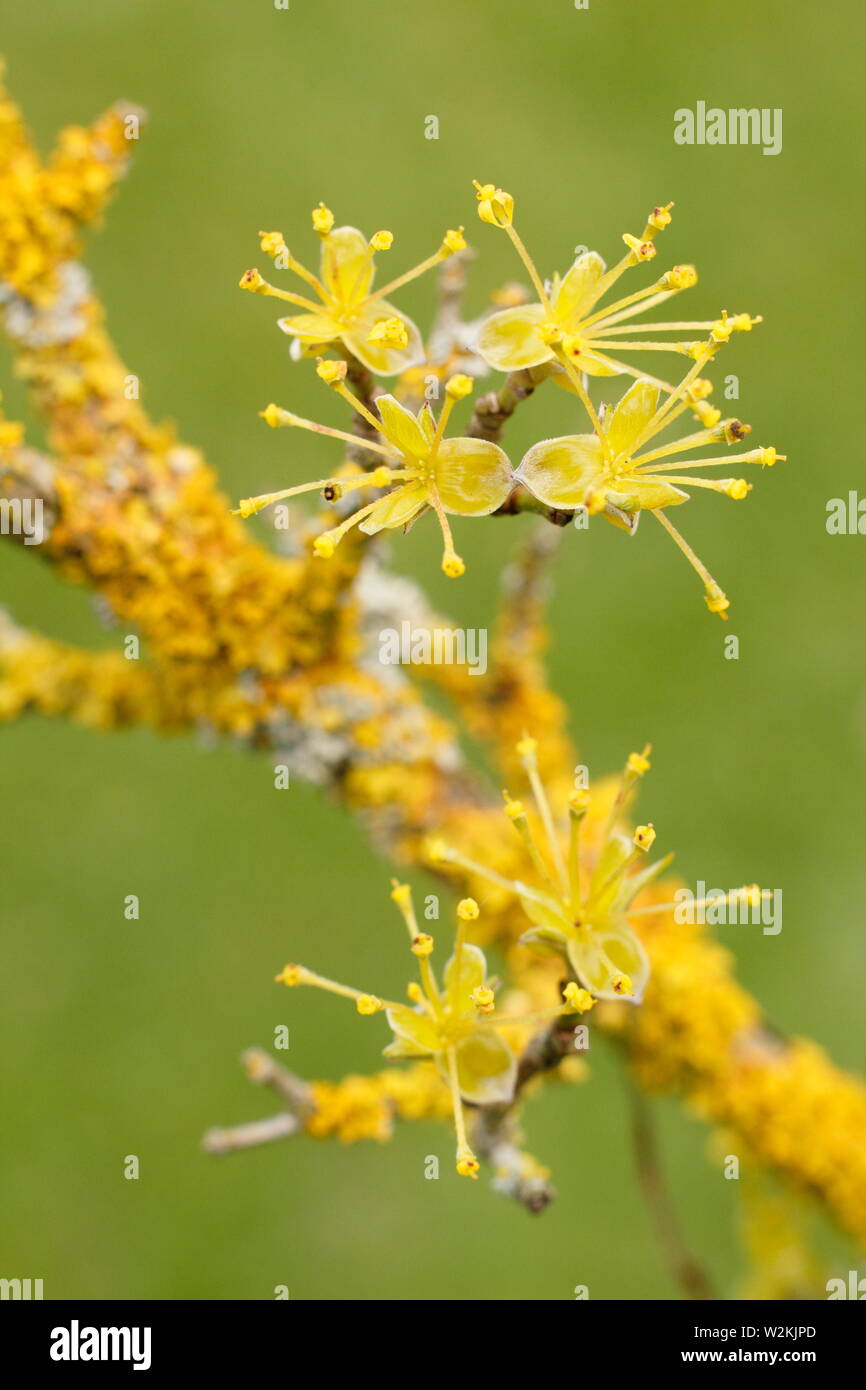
(615, 471)
(580, 901)
(467, 477)
(349, 310)
(564, 326)
(449, 1022)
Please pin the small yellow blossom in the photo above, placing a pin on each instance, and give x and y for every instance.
(449, 1020)
(617, 472)
(565, 327)
(346, 308)
(462, 476)
(579, 905)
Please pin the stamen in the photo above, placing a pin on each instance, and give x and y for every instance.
(578, 805)
(608, 332)
(401, 896)
(625, 307)
(442, 254)
(367, 1003)
(452, 565)
(576, 379)
(516, 813)
(277, 417)
(526, 750)
(251, 280)
(715, 598)
(358, 405)
(753, 456)
(467, 1163)
(380, 477)
(530, 267)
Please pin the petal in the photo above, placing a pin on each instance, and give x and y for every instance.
(402, 428)
(636, 883)
(579, 289)
(631, 415)
(397, 509)
(545, 941)
(459, 983)
(560, 472)
(426, 421)
(318, 328)
(604, 883)
(402, 1047)
(641, 494)
(414, 1028)
(473, 476)
(347, 265)
(387, 361)
(589, 363)
(624, 952)
(543, 910)
(486, 1068)
(508, 340)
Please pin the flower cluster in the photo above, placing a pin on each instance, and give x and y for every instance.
(452, 1021)
(571, 332)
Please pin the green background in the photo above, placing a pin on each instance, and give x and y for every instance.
(122, 1038)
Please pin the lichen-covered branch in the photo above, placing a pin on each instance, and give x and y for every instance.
(280, 654)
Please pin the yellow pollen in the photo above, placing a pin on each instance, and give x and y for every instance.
(737, 488)
(414, 992)
(332, 373)
(638, 764)
(382, 241)
(641, 250)
(467, 1165)
(513, 809)
(454, 241)
(716, 599)
(459, 386)
(422, 945)
(621, 984)
(580, 1000)
(483, 999)
(660, 217)
(644, 837)
(551, 332)
(251, 280)
(273, 245)
(453, 566)
(323, 219)
(324, 546)
(389, 333)
(467, 910)
(401, 893)
(290, 975)
(681, 277)
(368, 1004)
(527, 747)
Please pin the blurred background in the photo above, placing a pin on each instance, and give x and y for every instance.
(122, 1038)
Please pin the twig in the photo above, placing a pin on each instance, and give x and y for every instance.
(683, 1265)
(249, 1136)
(261, 1068)
(496, 407)
(494, 1127)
